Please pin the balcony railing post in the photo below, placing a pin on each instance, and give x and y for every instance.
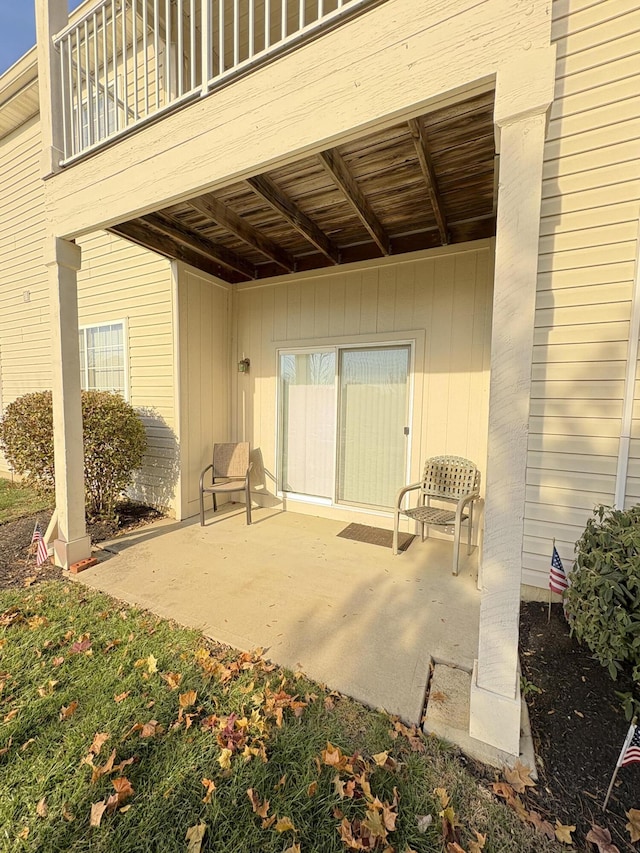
(207, 45)
(51, 17)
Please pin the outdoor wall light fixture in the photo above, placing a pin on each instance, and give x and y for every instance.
(243, 366)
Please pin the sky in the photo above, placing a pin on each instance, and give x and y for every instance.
(18, 29)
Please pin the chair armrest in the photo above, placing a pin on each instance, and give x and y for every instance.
(405, 491)
(202, 476)
(464, 500)
(249, 469)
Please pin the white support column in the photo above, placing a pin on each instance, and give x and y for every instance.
(524, 92)
(51, 17)
(62, 260)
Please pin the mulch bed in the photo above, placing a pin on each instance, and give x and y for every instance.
(17, 558)
(578, 728)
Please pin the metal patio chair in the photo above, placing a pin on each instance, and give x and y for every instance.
(450, 479)
(230, 473)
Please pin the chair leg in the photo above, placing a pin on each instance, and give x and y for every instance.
(456, 549)
(215, 502)
(469, 545)
(248, 500)
(396, 522)
(201, 508)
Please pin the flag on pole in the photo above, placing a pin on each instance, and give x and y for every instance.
(631, 748)
(42, 552)
(557, 576)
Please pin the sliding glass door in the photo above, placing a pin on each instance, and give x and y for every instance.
(344, 415)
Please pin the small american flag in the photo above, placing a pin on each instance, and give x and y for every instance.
(557, 577)
(631, 748)
(41, 551)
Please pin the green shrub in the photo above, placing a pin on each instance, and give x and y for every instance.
(603, 599)
(114, 444)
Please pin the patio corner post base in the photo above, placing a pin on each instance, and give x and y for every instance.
(65, 554)
(494, 718)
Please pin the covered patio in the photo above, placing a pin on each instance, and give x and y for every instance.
(348, 614)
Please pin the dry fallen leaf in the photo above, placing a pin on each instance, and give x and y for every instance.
(66, 813)
(121, 696)
(519, 777)
(295, 848)
(424, 822)
(633, 827)
(285, 824)
(58, 661)
(542, 826)
(99, 740)
(97, 810)
(224, 760)
(477, 846)
(210, 786)
(311, 790)
(602, 839)
(380, 758)
(443, 796)
(24, 833)
(563, 833)
(173, 679)
(68, 711)
(11, 715)
(41, 808)
(151, 729)
(188, 699)
(261, 809)
(194, 836)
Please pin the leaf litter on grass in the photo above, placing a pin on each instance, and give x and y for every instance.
(243, 756)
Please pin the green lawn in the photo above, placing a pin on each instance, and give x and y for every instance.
(16, 501)
(91, 689)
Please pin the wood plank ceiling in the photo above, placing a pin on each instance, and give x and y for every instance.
(423, 183)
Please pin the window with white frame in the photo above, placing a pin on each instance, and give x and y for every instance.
(103, 358)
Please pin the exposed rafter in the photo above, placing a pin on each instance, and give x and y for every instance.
(225, 216)
(265, 187)
(194, 242)
(139, 233)
(339, 172)
(421, 143)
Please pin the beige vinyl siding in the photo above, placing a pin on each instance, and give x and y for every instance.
(118, 281)
(24, 326)
(204, 310)
(442, 299)
(588, 232)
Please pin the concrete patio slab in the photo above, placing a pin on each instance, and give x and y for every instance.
(349, 614)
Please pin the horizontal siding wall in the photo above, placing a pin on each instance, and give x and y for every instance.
(25, 352)
(204, 308)
(588, 232)
(118, 281)
(121, 281)
(445, 296)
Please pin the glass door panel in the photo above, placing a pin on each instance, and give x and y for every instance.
(308, 423)
(373, 412)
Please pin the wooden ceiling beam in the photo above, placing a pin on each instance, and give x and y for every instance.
(335, 165)
(276, 199)
(139, 233)
(421, 143)
(194, 242)
(225, 216)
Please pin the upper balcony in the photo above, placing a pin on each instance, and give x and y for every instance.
(124, 63)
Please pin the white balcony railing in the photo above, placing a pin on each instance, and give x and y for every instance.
(126, 61)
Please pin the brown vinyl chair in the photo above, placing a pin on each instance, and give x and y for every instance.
(230, 473)
(450, 479)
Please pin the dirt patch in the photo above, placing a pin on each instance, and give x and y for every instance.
(578, 728)
(17, 557)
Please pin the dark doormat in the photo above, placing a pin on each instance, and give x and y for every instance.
(376, 536)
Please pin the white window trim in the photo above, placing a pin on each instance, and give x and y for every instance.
(125, 342)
